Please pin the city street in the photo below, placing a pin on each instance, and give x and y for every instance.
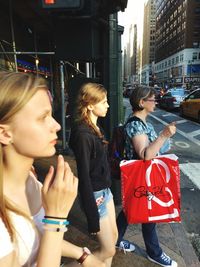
(186, 145)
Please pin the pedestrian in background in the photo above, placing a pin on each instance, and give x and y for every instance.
(90, 149)
(33, 218)
(142, 142)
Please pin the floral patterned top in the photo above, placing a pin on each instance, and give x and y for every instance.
(136, 128)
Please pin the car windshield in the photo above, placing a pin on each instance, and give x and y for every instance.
(178, 92)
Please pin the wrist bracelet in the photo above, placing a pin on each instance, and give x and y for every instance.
(56, 229)
(86, 253)
(66, 222)
(53, 217)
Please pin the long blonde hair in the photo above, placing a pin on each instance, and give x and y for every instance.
(90, 93)
(16, 89)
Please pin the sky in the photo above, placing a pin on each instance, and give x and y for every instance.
(133, 14)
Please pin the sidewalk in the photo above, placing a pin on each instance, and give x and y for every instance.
(172, 236)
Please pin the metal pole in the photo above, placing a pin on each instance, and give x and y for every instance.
(113, 72)
(12, 34)
(94, 70)
(88, 70)
(63, 104)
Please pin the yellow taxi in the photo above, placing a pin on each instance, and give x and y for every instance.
(190, 106)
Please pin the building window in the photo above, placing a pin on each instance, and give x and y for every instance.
(181, 57)
(195, 45)
(194, 55)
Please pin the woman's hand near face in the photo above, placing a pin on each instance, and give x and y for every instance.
(169, 130)
(59, 191)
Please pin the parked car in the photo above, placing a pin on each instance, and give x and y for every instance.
(172, 98)
(190, 106)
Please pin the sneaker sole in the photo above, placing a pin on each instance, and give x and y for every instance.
(160, 263)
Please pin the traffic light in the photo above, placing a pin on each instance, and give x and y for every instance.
(85, 7)
(63, 4)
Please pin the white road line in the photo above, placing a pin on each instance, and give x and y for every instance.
(168, 114)
(192, 170)
(181, 121)
(190, 138)
(197, 132)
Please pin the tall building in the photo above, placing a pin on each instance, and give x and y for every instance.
(148, 49)
(134, 69)
(130, 56)
(134, 54)
(177, 59)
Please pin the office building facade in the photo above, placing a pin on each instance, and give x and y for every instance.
(177, 60)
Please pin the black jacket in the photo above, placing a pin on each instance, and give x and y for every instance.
(93, 170)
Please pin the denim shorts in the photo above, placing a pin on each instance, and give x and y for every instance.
(102, 198)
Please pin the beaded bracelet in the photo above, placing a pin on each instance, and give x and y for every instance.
(66, 222)
(56, 229)
(53, 217)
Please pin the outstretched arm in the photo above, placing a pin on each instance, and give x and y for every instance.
(146, 150)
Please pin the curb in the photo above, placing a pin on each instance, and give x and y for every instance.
(185, 246)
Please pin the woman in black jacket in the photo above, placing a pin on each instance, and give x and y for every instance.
(90, 148)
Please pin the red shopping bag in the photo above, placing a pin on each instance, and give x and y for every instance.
(151, 189)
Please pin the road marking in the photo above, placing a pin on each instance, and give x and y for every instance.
(192, 171)
(182, 144)
(190, 138)
(168, 114)
(197, 132)
(181, 121)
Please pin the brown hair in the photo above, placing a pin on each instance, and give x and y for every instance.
(16, 89)
(138, 94)
(90, 93)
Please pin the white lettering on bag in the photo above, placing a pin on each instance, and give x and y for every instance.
(152, 197)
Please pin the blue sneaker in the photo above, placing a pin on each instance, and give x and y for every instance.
(126, 246)
(163, 260)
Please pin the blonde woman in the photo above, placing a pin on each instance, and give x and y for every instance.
(90, 149)
(33, 218)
